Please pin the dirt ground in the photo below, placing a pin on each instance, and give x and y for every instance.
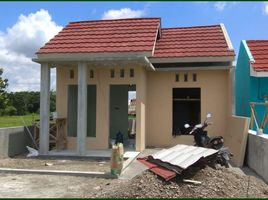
(215, 183)
(45, 186)
(100, 165)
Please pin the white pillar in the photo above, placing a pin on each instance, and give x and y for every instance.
(44, 109)
(82, 109)
(141, 109)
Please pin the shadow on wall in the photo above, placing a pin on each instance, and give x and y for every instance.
(13, 141)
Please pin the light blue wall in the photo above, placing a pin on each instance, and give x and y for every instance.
(248, 88)
(242, 82)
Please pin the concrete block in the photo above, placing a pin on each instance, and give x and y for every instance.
(13, 141)
(257, 154)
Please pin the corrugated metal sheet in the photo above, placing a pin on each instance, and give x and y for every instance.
(180, 156)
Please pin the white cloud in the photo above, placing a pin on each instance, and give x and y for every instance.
(123, 13)
(18, 45)
(220, 6)
(265, 8)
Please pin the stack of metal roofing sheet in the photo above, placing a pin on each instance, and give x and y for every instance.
(177, 158)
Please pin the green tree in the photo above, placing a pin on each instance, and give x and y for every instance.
(3, 93)
(26, 102)
(52, 101)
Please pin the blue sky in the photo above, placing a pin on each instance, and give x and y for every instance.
(25, 26)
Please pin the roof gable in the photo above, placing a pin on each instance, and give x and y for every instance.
(259, 51)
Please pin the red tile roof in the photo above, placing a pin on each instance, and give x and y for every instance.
(124, 35)
(259, 51)
(139, 35)
(196, 41)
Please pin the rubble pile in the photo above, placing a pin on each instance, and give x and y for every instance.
(214, 183)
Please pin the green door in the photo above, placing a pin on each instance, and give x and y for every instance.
(118, 110)
(72, 110)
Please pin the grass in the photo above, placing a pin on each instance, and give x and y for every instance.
(12, 121)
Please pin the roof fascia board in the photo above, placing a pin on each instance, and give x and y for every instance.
(251, 58)
(257, 74)
(149, 64)
(226, 36)
(195, 68)
(63, 57)
(192, 59)
(155, 40)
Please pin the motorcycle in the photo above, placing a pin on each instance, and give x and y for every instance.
(202, 139)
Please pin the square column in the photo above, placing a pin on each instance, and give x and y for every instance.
(44, 109)
(82, 109)
(141, 109)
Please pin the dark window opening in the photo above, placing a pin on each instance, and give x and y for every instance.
(131, 72)
(186, 109)
(71, 74)
(91, 73)
(112, 73)
(185, 77)
(194, 77)
(122, 73)
(177, 78)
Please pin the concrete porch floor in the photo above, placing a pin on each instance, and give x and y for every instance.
(128, 153)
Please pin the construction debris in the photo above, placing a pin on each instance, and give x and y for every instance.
(222, 183)
(48, 164)
(168, 163)
(192, 181)
(32, 152)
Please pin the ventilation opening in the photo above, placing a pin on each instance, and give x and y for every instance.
(112, 73)
(71, 74)
(122, 73)
(194, 77)
(131, 72)
(91, 73)
(177, 77)
(185, 77)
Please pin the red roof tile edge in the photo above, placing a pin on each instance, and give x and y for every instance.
(259, 52)
(228, 53)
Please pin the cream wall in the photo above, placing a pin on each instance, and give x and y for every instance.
(154, 103)
(102, 80)
(214, 99)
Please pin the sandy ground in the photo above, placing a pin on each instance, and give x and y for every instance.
(100, 165)
(226, 183)
(215, 183)
(32, 185)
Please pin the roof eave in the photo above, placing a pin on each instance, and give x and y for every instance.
(258, 73)
(192, 59)
(65, 57)
(196, 68)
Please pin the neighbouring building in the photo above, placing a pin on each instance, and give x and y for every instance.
(179, 74)
(132, 107)
(252, 79)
